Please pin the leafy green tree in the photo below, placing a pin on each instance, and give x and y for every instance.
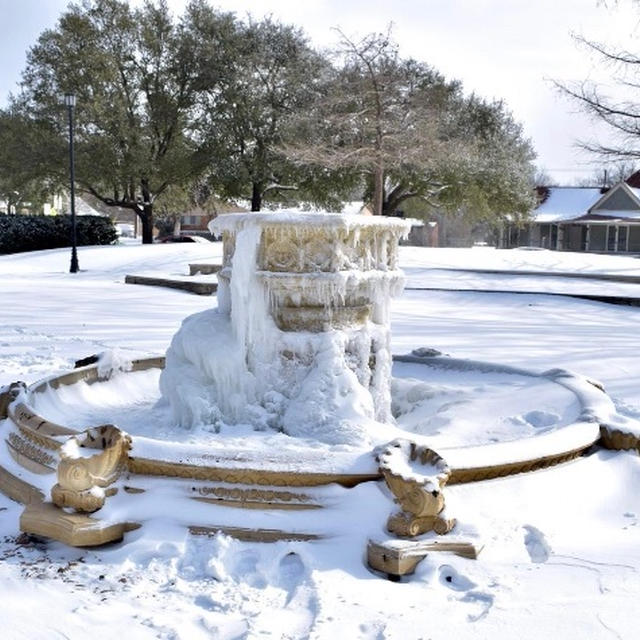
(410, 134)
(492, 178)
(273, 75)
(136, 76)
(21, 187)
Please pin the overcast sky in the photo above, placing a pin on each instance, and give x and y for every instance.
(508, 49)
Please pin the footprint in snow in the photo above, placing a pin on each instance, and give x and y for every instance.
(625, 409)
(481, 598)
(454, 580)
(536, 544)
(246, 569)
(206, 603)
(291, 573)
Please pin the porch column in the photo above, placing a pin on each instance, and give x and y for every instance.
(587, 241)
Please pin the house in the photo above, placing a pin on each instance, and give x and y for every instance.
(196, 221)
(603, 220)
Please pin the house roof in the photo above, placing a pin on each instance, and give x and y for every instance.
(564, 204)
(634, 180)
(83, 208)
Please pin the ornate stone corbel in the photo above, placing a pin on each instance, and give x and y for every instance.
(8, 394)
(82, 479)
(416, 476)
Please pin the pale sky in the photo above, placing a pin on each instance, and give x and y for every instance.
(508, 49)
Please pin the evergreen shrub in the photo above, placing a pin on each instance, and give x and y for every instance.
(32, 233)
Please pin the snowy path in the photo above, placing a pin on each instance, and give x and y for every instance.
(556, 285)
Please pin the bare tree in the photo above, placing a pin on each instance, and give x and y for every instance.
(621, 115)
(607, 175)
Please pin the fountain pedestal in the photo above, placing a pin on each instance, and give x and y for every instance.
(331, 274)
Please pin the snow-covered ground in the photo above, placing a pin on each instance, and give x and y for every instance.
(562, 546)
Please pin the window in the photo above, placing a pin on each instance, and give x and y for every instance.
(634, 239)
(597, 237)
(623, 236)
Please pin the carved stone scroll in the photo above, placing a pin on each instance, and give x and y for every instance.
(82, 480)
(416, 476)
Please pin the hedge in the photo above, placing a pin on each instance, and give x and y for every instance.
(31, 233)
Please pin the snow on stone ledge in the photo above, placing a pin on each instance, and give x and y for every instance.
(234, 221)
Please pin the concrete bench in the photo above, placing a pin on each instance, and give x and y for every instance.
(199, 288)
(204, 269)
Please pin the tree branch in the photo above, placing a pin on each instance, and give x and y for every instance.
(112, 202)
(279, 187)
(622, 57)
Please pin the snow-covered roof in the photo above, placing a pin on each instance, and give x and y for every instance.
(566, 203)
(562, 204)
(83, 208)
(609, 214)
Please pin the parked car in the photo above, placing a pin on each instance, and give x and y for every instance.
(182, 238)
(124, 230)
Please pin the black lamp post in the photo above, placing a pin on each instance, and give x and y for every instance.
(70, 102)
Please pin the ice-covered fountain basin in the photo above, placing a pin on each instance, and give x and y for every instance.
(321, 271)
(129, 399)
(329, 242)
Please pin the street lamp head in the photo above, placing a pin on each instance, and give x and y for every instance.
(70, 99)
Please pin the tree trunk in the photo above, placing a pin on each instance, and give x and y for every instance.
(146, 217)
(177, 226)
(378, 188)
(256, 196)
(147, 212)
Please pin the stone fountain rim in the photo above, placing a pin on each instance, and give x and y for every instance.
(586, 431)
(234, 221)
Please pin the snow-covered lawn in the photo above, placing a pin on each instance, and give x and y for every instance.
(562, 546)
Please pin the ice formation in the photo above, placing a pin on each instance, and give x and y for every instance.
(299, 341)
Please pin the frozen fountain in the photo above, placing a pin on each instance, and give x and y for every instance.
(281, 400)
(299, 341)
